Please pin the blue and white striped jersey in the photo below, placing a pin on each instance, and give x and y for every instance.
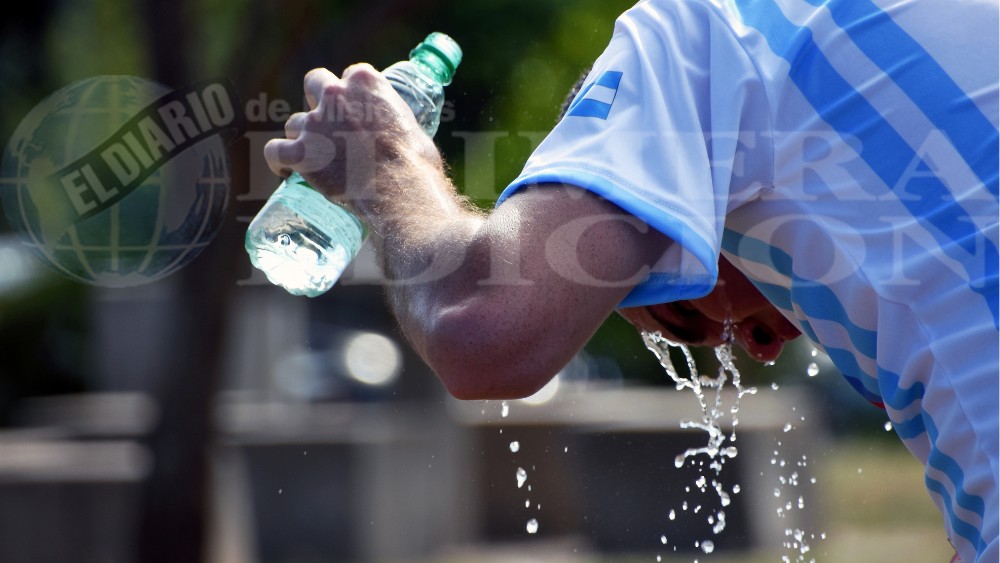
(844, 155)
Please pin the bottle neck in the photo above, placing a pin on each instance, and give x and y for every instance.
(430, 64)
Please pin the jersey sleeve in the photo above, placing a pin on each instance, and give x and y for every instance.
(668, 127)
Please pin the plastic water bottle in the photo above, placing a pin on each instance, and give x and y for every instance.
(303, 241)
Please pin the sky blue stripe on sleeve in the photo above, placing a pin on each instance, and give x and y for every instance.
(586, 107)
(590, 108)
(610, 79)
(916, 72)
(885, 152)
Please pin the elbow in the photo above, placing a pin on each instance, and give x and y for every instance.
(481, 356)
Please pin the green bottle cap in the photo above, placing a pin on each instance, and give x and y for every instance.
(440, 54)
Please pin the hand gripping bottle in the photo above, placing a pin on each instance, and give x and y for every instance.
(303, 241)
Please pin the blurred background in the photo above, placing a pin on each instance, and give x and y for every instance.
(207, 416)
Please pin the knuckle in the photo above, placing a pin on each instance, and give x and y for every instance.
(362, 72)
(331, 91)
(316, 74)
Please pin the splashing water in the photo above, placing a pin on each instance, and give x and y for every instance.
(708, 391)
(522, 476)
(532, 526)
(515, 446)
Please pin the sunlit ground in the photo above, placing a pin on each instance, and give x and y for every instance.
(880, 514)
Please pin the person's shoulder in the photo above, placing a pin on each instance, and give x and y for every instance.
(689, 17)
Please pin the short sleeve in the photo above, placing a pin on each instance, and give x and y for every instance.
(668, 126)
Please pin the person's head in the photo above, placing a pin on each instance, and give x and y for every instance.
(758, 327)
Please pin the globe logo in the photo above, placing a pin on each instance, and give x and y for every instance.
(117, 181)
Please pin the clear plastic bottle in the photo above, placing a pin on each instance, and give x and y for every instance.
(303, 241)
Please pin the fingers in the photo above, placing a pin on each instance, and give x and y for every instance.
(320, 82)
(315, 84)
(677, 322)
(295, 125)
(282, 154)
(759, 340)
(363, 73)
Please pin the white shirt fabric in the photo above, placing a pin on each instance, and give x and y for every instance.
(843, 155)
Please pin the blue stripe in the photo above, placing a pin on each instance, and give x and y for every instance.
(778, 296)
(909, 429)
(584, 107)
(885, 152)
(931, 88)
(610, 79)
(947, 465)
(967, 531)
(590, 108)
(848, 365)
(896, 397)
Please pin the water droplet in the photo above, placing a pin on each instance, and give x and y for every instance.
(774, 386)
(515, 446)
(527, 503)
(814, 352)
(700, 482)
(522, 476)
(504, 409)
(777, 492)
(812, 370)
(707, 546)
(802, 503)
(736, 489)
(859, 471)
(663, 540)
(280, 491)
(679, 461)
(532, 526)
(672, 515)
(566, 449)
(788, 427)
(888, 426)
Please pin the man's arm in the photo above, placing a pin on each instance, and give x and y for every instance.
(495, 303)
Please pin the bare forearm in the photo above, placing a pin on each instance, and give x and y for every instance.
(424, 235)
